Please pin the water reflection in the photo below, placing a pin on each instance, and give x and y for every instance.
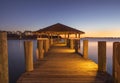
(16, 59)
(93, 51)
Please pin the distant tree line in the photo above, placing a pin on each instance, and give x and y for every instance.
(24, 35)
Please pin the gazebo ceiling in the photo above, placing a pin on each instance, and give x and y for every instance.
(59, 29)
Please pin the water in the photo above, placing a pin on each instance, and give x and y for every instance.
(16, 59)
(93, 51)
(17, 62)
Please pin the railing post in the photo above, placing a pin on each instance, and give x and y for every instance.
(40, 49)
(116, 62)
(4, 78)
(102, 56)
(85, 49)
(28, 46)
(71, 43)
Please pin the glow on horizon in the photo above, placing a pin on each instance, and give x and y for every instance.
(102, 34)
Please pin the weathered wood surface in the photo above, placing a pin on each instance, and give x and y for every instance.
(62, 65)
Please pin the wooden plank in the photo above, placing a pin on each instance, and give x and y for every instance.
(62, 65)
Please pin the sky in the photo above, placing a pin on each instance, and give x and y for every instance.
(97, 18)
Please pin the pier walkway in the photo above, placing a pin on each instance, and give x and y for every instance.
(62, 65)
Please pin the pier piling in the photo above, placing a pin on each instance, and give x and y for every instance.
(4, 78)
(77, 48)
(85, 49)
(28, 45)
(40, 49)
(51, 42)
(116, 62)
(72, 43)
(102, 56)
(37, 56)
(45, 45)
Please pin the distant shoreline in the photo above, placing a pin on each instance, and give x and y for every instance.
(103, 37)
(19, 37)
(34, 38)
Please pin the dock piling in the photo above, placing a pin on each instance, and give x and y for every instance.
(37, 56)
(45, 45)
(101, 56)
(65, 41)
(28, 45)
(4, 78)
(68, 43)
(85, 49)
(77, 48)
(48, 43)
(51, 42)
(40, 49)
(71, 43)
(116, 62)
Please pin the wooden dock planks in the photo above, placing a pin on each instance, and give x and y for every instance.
(62, 65)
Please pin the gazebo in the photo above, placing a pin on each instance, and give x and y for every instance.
(59, 29)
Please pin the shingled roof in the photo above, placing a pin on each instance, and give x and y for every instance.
(59, 28)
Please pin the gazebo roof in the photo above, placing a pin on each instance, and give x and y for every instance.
(59, 28)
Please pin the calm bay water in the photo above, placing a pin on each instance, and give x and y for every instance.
(17, 63)
(16, 58)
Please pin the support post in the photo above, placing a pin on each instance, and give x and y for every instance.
(50, 37)
(102, 56)
(75, 35)
(65, 39)
(85, 49)
(77, 45)
(78, 35)
(116, 62)
(68, 42)
(40, 49)
(48, 44)
(4, 78)
(37, 54)
(28, 46)
(51, 41)
(57, 38)
(71, 43)
(68, 36)
(45, 45)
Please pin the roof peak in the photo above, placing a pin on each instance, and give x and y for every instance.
(58, 23)
(59, 28)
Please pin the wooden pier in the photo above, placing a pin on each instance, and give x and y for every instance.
(62, 65)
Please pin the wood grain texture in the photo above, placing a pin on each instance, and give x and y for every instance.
(63, 65)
